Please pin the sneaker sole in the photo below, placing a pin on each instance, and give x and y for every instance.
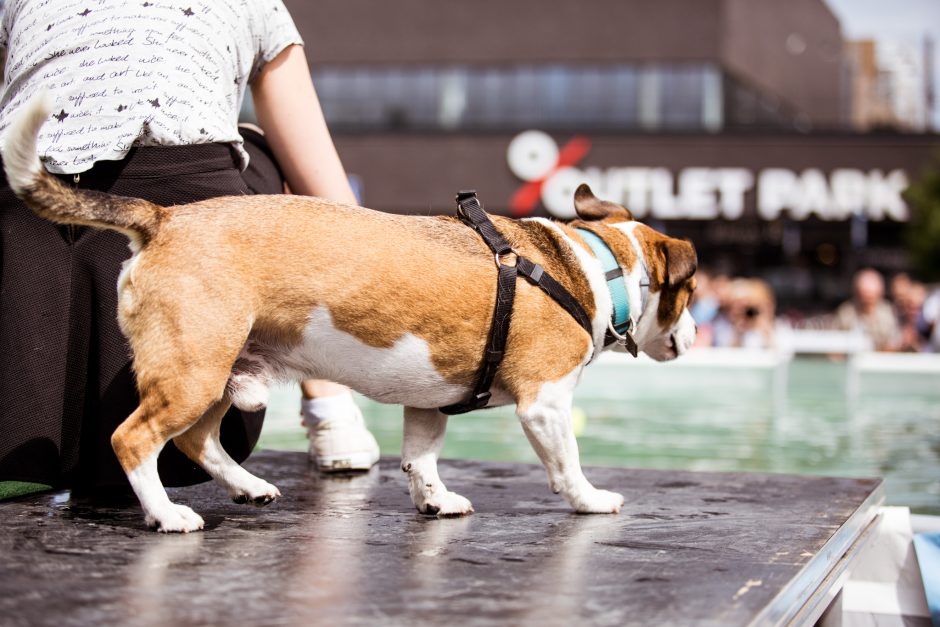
(356, 461)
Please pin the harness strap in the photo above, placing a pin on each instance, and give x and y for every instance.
(471, 212)
(537, 276)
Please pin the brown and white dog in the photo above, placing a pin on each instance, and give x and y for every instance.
(224, 297)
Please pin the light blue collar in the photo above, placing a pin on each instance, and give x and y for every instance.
(616, 283)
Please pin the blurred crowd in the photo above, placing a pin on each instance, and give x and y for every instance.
(741, 312)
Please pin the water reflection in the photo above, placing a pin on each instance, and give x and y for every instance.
(565, 571)
(331, 549)
(148, 594)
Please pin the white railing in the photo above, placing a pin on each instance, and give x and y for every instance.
(821, 341)
(853, 347)
(713, 361)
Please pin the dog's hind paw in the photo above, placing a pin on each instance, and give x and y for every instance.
(447, 505)
(175, 519)
(599, 502)
(259, 495)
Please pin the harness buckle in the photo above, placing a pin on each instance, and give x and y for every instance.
(480, 400)
(499, 257)
(462, 197)
(477, 401)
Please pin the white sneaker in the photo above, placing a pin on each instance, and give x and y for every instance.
(339, 439)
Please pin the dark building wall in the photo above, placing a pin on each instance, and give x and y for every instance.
(501, 31)
(792, 50)
(747, 38)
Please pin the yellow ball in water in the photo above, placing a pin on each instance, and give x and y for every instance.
(578, 420)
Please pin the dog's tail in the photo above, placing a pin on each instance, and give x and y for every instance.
(52, 199)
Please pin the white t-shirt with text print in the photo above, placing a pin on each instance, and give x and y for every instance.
(136, 73)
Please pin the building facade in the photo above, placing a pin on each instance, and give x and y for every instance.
(725, 121)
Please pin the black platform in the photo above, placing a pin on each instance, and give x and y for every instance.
(688, 548)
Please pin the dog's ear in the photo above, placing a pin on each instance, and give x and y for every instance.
(590, 208)
(681, 260)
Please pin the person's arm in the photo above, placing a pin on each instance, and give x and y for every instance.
(289, 112)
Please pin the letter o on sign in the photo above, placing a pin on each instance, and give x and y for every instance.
(532, 155)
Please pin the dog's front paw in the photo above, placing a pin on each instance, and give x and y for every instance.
(258, 493)
(175, 519)
(599, 502)
(445, 505)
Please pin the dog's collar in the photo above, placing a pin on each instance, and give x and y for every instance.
(621, 325)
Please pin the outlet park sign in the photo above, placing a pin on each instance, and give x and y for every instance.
(551, 174)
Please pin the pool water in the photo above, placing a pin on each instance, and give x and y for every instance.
(709, 419)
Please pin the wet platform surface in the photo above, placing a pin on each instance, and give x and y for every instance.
(688, 548)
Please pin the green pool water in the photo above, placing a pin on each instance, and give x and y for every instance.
(709, 419)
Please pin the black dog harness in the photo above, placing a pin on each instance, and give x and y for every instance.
(471, 213)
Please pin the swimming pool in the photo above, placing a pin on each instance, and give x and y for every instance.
(710, 418)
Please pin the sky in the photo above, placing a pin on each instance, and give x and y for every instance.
(893, 20)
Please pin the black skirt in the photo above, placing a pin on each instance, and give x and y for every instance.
(65, 371)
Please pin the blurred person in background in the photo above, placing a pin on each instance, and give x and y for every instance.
(929, 324)
(869, 312)
(909, 306)
(706, 304)
(900, 288)
(747, 320)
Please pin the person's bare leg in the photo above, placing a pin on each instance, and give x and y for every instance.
(317, 388)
